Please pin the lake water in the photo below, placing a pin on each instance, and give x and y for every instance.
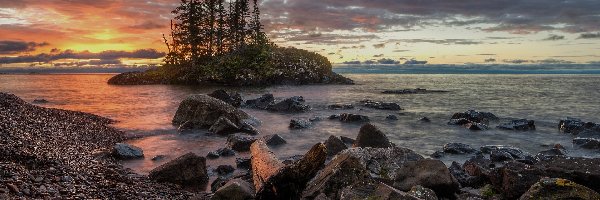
(148, 110)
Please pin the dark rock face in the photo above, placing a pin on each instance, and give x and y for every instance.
(557, 188)
(587, 143)
(518, 125)
(479, 167)
(293, 104)
(347, 140)
(240, 143)
(381, 105)
(334, 145)
(371, 136)
(576, 126)
(234, 99)
(458, 148)
(428, 173)
(472, 119)
(204, 111)
(274, 140)
(127, 151)
(224, 169)
(464, 179)
(243, 163)
(263, 102)
(235, 189)
(188, 169)
(340, 107)
(300, 123)
(413, 91)
(224, 126)
(347, 117)
(500, 153)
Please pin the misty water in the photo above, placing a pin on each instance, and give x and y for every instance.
(147, 110)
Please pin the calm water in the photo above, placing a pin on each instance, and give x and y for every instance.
(147, 110)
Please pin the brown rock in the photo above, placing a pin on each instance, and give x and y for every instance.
(188, 169)
(370, 136)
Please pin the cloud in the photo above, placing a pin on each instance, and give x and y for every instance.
(354, 62)
(148, 25)
(14, 47)
(555, 37)
(379, 46)
(490, 60)
(387, 61)
(70, 54)
(516, 61)
(441, 41)
(590, 36)
(486, 54)
(378, 56)
(554, 61)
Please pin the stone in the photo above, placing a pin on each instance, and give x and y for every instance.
(587, 143)
(499, 156)
(204, 111)
(551, 153)
(235, 189)
(300, 123)
(233, 98)
(464, 179)
(13, 188)
(381, 105)
(224, 169)
(371, 190)
(558, 188)
(224, 126)
(188, 169)
(423, 193)
(428, 173)
(274, 140)
(425, 119)
(219, 182)
(347, 117)
(479, 167)
(340, 107)
(213, 155)
(576, 126)
(244, 163)
(240, 143)
(437, 154)
(158, 157)
(347, 140)
(458, 148)
(476, 126)
(370, 136)
(293, 104)
(391, 117)
(334, 145)
(472, 120)
(127, 151)
(518, 125)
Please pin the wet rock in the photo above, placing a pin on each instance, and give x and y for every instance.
(372, 190)
(204, 111)
(126, 151)
(551, 153)
(292, 159)
(499, 156)
(472, 119)
(583, 171)
(413, 91)
(340, 107)
(479, 167)
(226, 152)
(458, 148)
(334, 145)
(213, 155)
(557, 188)
(437, 154)
(587, 143)
(347, 140)
(333, 117)
(235, 189)
(158, 157)
(13, 188)
(347, 117)
(500, 153)
(224, 169)
(188, 169)
(428, 173)
(518, 125)
(40, 101)
(514, 178)
(263, 102)
(576, 126)
(243, 163)
(463, 178)
(381, 105)
(423, 193)
(391, 117)
(425, 119)
(476, 126)
(371, 136)
(219, 182)
(293, 104)
(224, 126)
(233, 98)
(300, 123)
(240, 143)
(274, 140)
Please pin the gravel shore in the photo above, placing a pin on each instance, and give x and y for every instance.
(57, 154)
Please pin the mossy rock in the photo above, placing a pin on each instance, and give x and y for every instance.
(558, 188)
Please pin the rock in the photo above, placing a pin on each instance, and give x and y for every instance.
(235, 189)
(576, 126)
(40, 101)
(333, 117)
(425, 119)
(391, 117)
(549, 154)
(240, 143)
(293, 104)
(499, 156)
(188, 169)
(583, 171)
(263, 102)
(423, 193)
(371, 190)
(225, 152)
(213, 155)
(340, 107)
(437, 154)
(224, 169)
(204, 111)
(346, 117)
(224, 126)
(480, 168)
(587, 143)
(458, 148)
(126, 151)
(472, 119)
(413, 91)
(371, 136)
(476, 126)
(557, 188)
(292, 159)
(13, 188)
(234, 99)
(219, 182)
(158, 157)
(428, 173)
(499, 153)
(274, 140)
(244, 163)
(518, 125)
(300, 123)
(381, 105)
(334, 145)
(347, 140)
(357, 165)
(464, 179)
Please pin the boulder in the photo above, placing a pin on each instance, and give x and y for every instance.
(204, 111)
(372, 190)
(587, 143)
(274, 140)
(576, 126)
(347, 117)
(224, 126)
(472, 119)
(127, 151)
(293, 104)
(518, 125)
(428, 173)
(244, 163)
(347, 140)
(464, 179)
(235, 189)
(233, 98)
(499, 153)
(477, 126)
(558, 188)
(381, 105)
(240, 143)
(391, 117)
(188, 169)
(458, 148)
(480, 168)
(334, 145)
(225, 152)
(300, 123)
(371, 136)
(224, 169)
(340, 107)
(551, 153)
(423, 193)
(263, 102)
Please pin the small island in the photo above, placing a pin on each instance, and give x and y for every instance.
(216, 44)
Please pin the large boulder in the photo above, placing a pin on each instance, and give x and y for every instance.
(371, 190)
(232, 98)
(292, 104)
(428, 173)
(381, 105)
(274, 140)
(334, 145)
(518, 125)
(263, 102)
(235, 189)
(558, 188)
(224, 126)
(204, 111)
(300, 123)
(576, 126)
(127, 151)
(239, 142)
(458, 148)
(472, 119)
(370, 136)
(188, 169)
(587, 143)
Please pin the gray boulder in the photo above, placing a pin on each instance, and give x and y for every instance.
(587, 143)
(188, 169)
(274, 140)
(240, 143)
(334, 145)
(370, 136)
(293, 104)
(204, 111)
(518, 125)
(224, 126)
(381, 105)
(127, 151)
(458, 148)
(232, 98)
(300, 123)
(235, 189)
(263, 102)
(428, 173)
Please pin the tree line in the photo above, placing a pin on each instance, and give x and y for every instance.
(203, 29)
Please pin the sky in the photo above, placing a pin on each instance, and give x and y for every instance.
(109, 33)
